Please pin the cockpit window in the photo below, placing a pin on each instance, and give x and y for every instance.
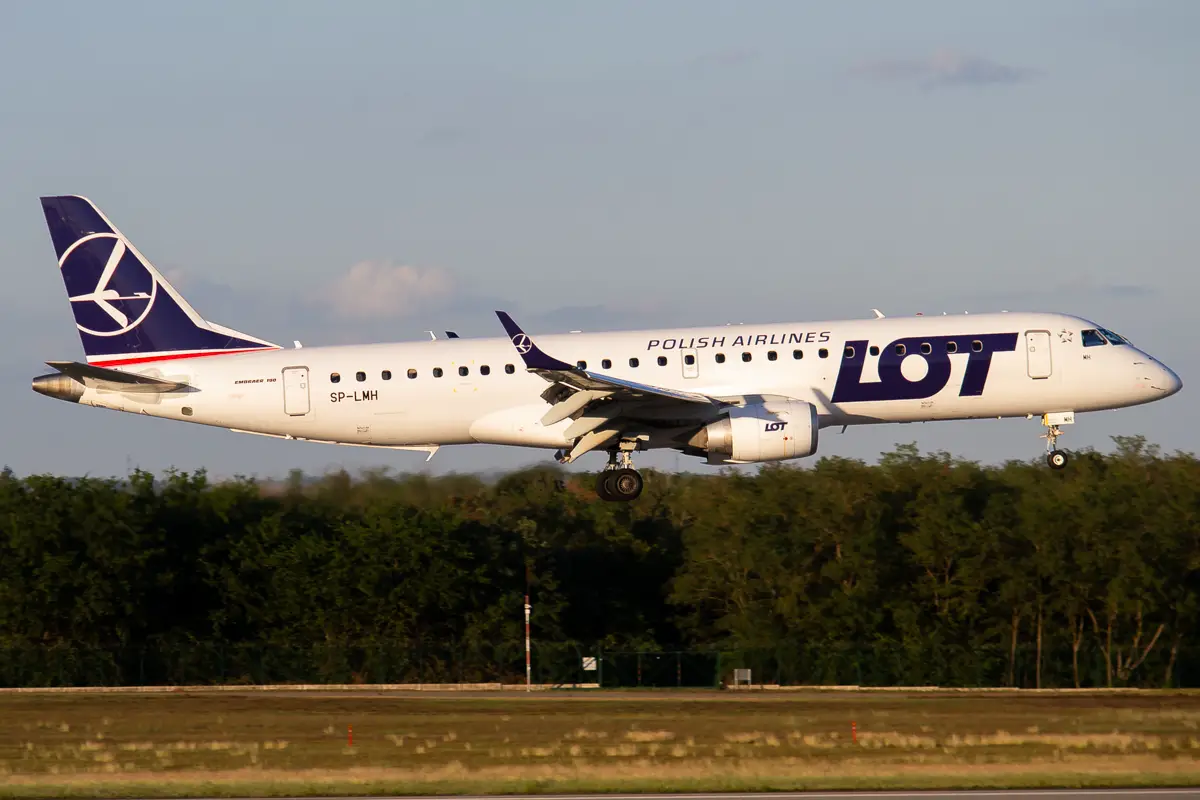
(1093, 339)
(1112, 337)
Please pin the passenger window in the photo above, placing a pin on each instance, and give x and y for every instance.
(874, 350)
(581, 364)
(463, 371)
(900, 350)
(510, 369)
(797, 354)
(335, 378)
(848, 352)
(772, 355)
(485, 370)
(720, 358)
(412, 373)
(977, 346)
(606, 363)
(360, 376)
(823, 353)
(1093, 339)
(926, 348)
(633, 362)
(437, 372)
(951, 347)
(386, 375)
(662, 361)
(746, 357)
(689, 359)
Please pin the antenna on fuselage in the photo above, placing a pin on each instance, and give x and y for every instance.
(878, 314)
(432, 336)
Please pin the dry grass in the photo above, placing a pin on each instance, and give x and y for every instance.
(642, 776)
(229, 744)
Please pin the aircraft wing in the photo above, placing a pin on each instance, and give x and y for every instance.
(603, 406)
(557, 371)
(114, 380)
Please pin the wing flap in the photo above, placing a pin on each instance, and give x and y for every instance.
(571, 405)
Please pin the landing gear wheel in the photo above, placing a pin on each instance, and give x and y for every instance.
(1056, 458)
(620, 485)
(604, 485)
(620, 481)
(626, 484)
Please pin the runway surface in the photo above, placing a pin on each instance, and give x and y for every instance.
(981, 794)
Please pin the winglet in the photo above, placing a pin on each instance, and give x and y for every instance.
(533, 357)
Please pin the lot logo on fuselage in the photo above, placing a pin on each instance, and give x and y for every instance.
(111, 291)
(937, 352)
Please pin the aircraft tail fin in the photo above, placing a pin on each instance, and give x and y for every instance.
(125, 310)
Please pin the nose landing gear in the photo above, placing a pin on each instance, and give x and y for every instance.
(1057, 459)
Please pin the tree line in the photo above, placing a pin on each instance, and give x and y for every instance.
(921, 569)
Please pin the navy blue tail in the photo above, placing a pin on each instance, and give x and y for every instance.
(125, 310)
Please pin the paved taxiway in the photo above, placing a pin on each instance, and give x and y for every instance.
(980, 794)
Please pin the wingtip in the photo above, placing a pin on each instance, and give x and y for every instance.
(50, 197)
(510, 325)
(533, 357)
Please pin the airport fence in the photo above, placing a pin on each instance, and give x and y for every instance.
(167, 663)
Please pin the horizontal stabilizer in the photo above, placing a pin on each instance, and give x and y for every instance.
(114, 380)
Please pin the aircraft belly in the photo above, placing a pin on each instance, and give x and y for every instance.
(519, 425)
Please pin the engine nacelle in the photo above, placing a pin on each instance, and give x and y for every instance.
(770, 431)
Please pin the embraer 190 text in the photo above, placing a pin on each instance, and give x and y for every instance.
(730, 394)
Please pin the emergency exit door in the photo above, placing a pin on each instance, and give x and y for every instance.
(295, 391)
(1037, 351)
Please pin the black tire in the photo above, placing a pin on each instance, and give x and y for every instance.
(1057, 459)
(626, 484)
(604, 485)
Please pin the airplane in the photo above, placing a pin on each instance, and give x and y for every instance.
(740, 394)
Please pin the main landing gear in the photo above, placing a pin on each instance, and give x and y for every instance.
(1057, 459)
(619, 481)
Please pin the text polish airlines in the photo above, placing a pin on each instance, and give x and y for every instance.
(732, 395)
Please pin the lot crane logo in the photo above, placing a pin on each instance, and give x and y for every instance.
(522, 343)
(111, 290)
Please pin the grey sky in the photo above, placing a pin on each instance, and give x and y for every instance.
(596, 166)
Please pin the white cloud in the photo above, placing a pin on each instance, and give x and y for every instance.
(944, 68)
(383, 289)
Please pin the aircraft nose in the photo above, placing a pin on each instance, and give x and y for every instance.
(1168, 382)
(1154, 379)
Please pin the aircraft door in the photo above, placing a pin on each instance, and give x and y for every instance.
(1037, 350)
(295, 391)
(691, 363)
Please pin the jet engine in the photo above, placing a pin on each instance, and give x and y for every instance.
(772, 430)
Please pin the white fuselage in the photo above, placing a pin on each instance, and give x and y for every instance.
(295, 394)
